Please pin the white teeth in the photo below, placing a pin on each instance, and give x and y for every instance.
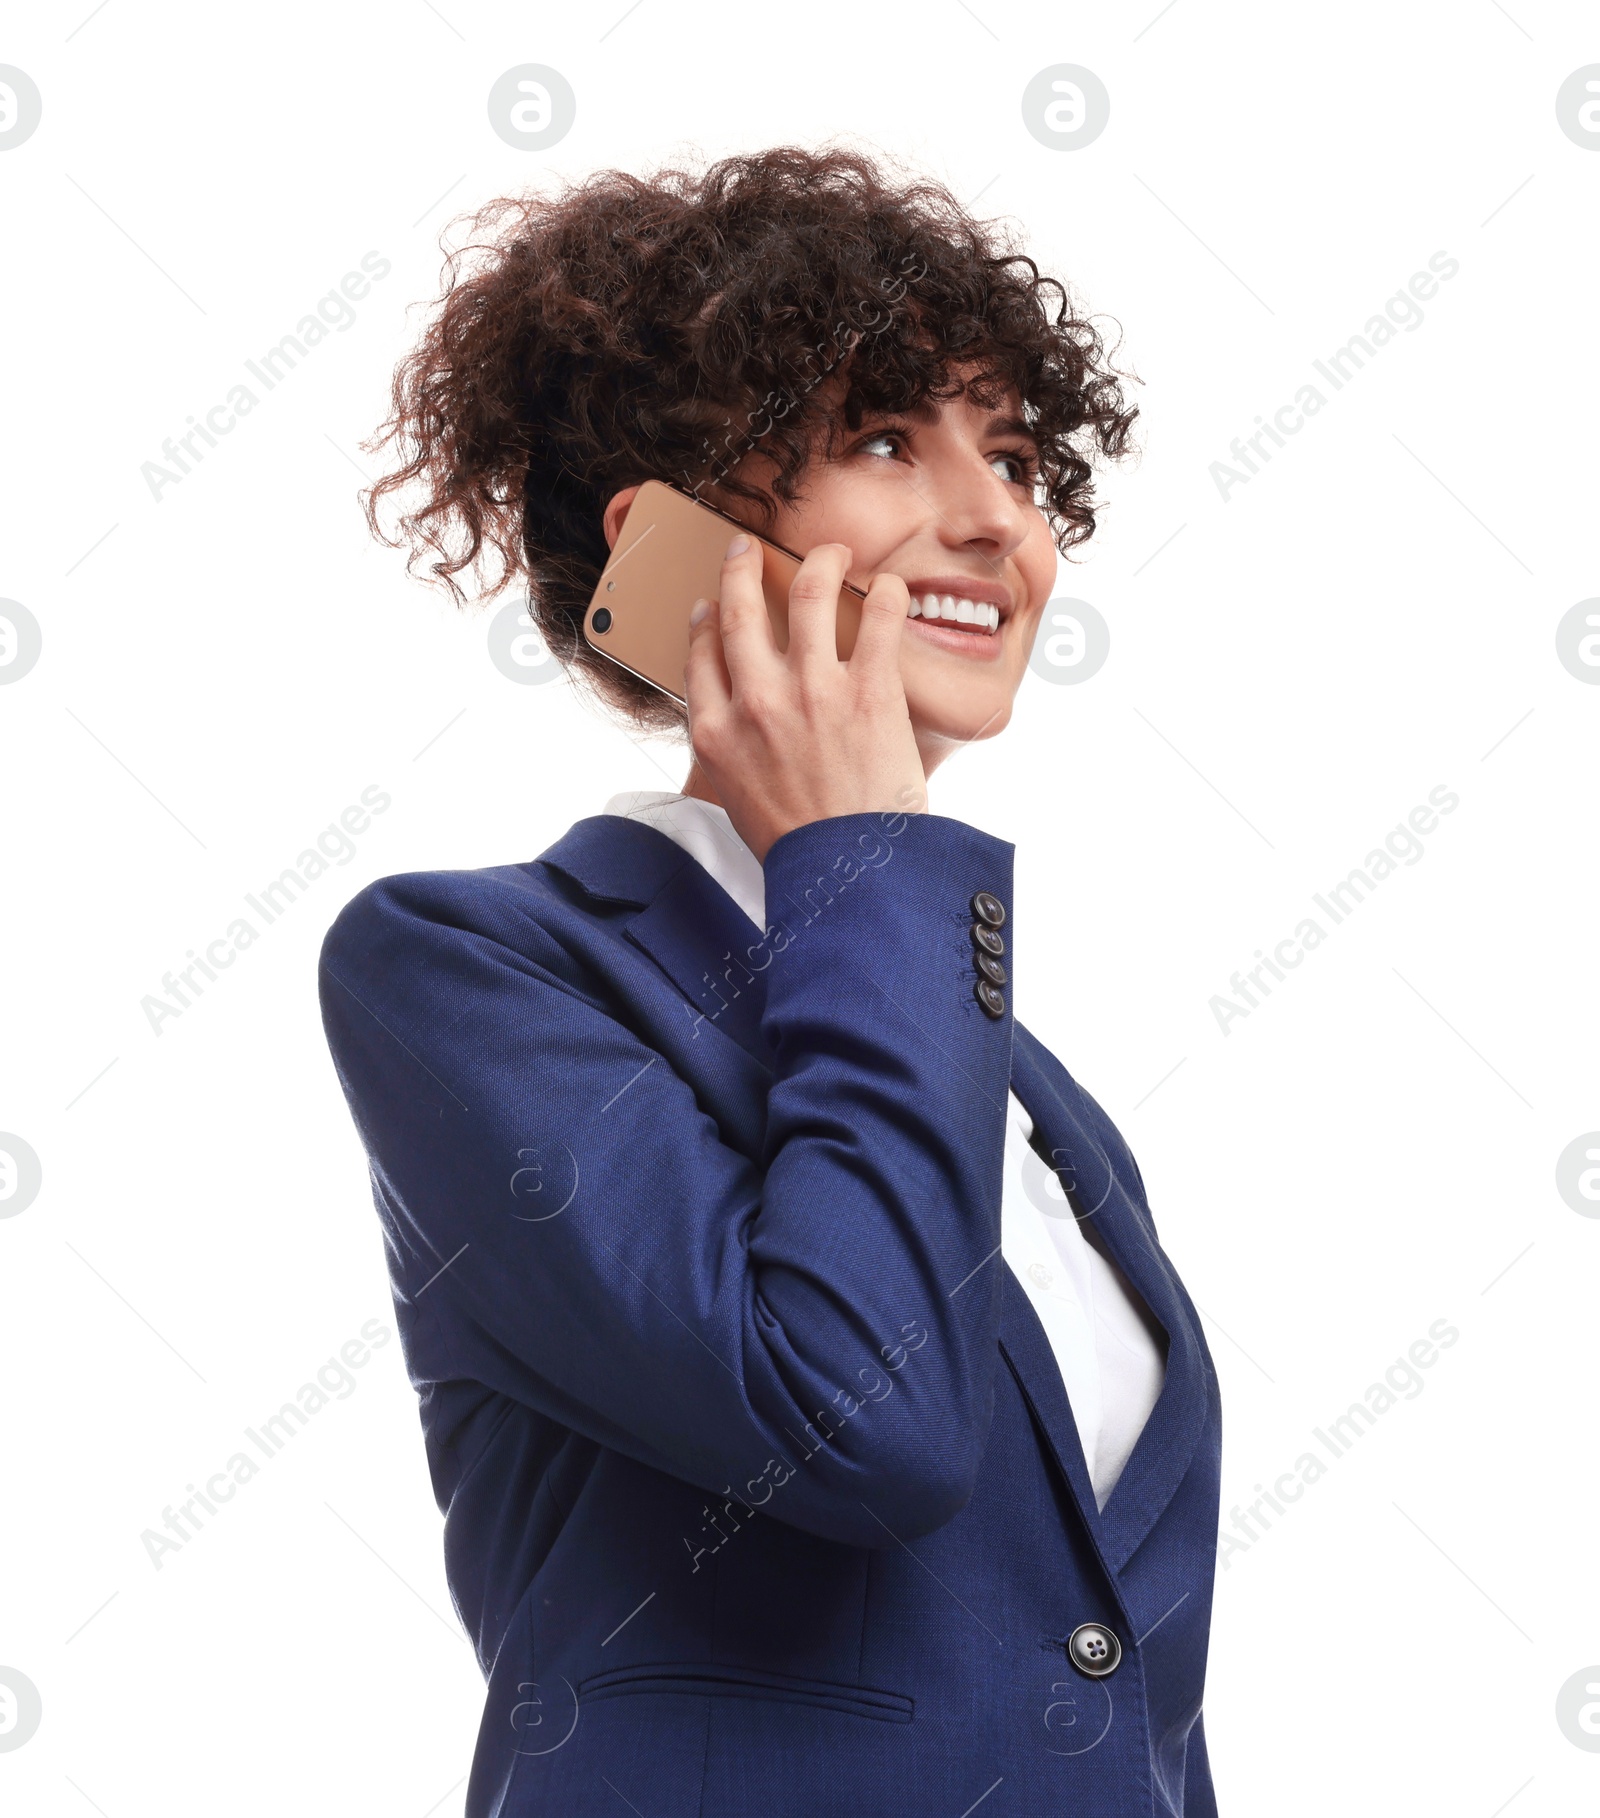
(952, 609)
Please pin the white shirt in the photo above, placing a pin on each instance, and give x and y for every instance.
(1107, 1345)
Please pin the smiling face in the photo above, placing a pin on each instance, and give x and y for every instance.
(944, 498)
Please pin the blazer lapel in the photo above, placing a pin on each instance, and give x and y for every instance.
(1106, 1189)
(688, 924)
(1027, 1350)
(700, 937)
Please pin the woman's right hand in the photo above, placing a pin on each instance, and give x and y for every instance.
(790, 737)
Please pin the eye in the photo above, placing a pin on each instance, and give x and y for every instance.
(869, 444)
(1026, 468)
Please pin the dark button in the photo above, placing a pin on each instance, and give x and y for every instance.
(1094, 1650)
(992, 1000)
(990, 967)
(985, 937)
(989, 908)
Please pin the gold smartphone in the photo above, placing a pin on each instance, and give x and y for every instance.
(669, 554)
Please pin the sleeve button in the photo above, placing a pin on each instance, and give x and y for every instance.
(990, 967)
(989, 939)
(993, 1001)
(989, 908)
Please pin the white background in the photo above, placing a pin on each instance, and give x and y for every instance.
(1371, 1150)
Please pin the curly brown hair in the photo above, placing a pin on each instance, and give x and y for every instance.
(664, 327)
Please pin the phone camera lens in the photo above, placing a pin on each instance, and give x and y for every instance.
(601, 620)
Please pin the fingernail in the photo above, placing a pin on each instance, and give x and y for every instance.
(739, 544)
(697, 612)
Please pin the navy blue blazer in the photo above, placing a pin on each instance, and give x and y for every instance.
(762, 1493)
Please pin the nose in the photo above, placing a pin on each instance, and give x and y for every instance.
(976, 510)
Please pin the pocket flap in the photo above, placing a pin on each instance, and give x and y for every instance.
(709, 1680)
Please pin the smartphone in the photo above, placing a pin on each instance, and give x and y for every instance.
(669, 554)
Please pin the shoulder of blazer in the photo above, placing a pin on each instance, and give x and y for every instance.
(611, 859)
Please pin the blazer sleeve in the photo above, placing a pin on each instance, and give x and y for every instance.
(813, 1332)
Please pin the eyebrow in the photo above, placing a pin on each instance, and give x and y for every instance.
(1010, 426)
(996, 426)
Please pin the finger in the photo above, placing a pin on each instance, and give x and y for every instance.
(748, 644)
(814, 605)
(883, 621)
(706, 686)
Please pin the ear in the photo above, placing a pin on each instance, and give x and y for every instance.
(616, 511)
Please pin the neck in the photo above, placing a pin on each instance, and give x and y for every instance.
(698, 784)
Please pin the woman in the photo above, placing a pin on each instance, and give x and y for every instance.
(819, 1426)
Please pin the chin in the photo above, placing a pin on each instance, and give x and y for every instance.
(963, 717)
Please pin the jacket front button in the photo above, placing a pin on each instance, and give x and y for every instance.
(1094, 1650)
